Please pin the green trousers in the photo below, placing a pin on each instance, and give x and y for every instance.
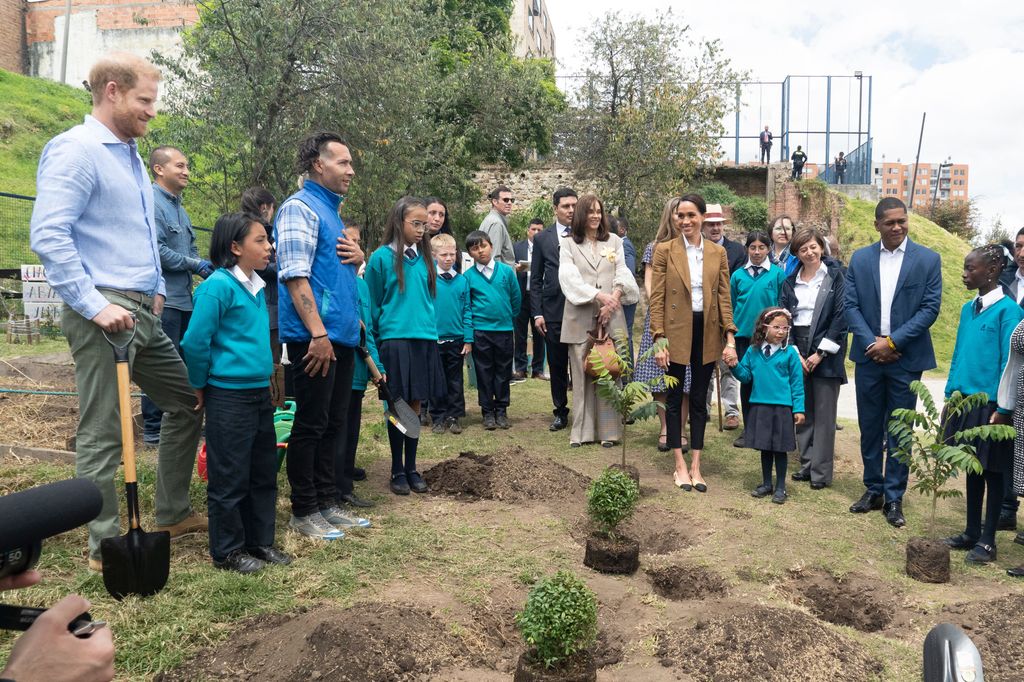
(157, 368)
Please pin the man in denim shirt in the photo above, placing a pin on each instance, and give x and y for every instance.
(93, 228)
(179, 259)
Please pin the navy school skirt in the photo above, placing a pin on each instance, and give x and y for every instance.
(414, 369)
(770, 427)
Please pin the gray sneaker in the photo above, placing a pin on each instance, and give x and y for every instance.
(339, 518)
(315, 526)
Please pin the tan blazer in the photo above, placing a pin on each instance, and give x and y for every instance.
(671, 305)
(582, 273)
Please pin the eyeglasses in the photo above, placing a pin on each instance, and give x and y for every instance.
(778, 329)
(782, 228)
(507, 200)
(418, 224)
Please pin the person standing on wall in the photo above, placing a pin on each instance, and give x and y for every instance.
(799, 158)
(766, 145)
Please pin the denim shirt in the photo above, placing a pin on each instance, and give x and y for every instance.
(179, 257)
(92, 223)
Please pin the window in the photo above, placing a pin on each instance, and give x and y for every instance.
(529, 20)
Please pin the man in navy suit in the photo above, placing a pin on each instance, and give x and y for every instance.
(547, 301)
(893, 294)
(523, 251)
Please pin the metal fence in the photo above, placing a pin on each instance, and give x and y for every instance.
(15, 215)
(858, 167)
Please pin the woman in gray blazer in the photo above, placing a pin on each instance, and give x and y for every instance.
(596, 282)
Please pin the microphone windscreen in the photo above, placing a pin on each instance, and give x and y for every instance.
(31, 515)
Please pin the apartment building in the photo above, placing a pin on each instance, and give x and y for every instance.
(945, 181)
(531, 24)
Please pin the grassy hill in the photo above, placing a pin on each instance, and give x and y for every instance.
(857, 229)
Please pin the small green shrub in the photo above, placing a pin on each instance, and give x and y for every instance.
(612, 498)
(716, 193)
(751, 213)
(559, 619)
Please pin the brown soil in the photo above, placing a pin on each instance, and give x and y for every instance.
(658, 530)
(928, 560)
(764, 643)
(619, 556)
(368, 642)
(997, 629)
(579, 668)
(690, 581)
(857, 601)
(509, 475)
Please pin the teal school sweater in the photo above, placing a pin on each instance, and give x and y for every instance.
(454, 314)
(780, 378)
(495, 302)
(750, 296)
(982, 347)
(227, 343)
(395, 314)
(361, 373)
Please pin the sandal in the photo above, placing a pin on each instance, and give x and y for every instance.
(663, 443)
(685, 486)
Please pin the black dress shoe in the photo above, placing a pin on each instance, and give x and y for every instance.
(558, 424)
(780, 496)
(270, 555)
(1007, 522)
(1019, 539)
(739, 442)
(894, 514)
(981, 554)
(416, 482)
(866, 503)
(353, 500)
(1015, 572)
(818, 485)
(489, 423)
(762, 490)
(800, 476)
(358, 474)
(962, 541)
(240, 562)
(399, 485)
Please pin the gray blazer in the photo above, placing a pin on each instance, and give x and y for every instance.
(582, 274)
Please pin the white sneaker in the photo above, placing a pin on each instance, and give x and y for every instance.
(340, 518)
(315, 526)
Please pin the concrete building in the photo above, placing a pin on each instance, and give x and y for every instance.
(35, 45)
(531, 24)
(945, 181)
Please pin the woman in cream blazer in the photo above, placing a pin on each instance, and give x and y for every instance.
(691, 307)
(596, 282)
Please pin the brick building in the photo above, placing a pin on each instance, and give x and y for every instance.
(12, 37)
(532, 26)
(938, 181)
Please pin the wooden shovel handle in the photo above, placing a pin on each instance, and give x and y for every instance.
(127, 432)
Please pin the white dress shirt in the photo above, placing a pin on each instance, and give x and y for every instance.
(451, 272)
(889, 264)
(990, 298)
(252, 284)
(529, 260)
(695, 256)
(775, 347)
(486, 270)
(806, 296)
(749, 267)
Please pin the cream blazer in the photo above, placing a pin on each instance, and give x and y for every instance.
(584, 270)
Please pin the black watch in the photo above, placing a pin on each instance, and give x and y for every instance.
(821, 354)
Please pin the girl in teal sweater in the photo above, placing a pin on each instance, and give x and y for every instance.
(776, 399)
(401, 278)
(227, 352)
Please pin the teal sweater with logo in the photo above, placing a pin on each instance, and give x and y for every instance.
(780, 378)
(495, 301)
(454, 314)
(407, 314)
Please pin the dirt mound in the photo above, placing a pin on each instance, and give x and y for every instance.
(765, 643)
(368, 642)
(855, 600)
(686, 582)
(658, 530)
(509, 475)
(997, 629)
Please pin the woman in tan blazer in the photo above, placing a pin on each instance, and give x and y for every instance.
(596, 282)
(691, 307)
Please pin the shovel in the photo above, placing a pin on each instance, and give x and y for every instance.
(398, 413)
(137, 562)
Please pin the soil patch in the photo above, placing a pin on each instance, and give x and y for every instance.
(621, 556)
(53, 368)
(997, 629)
(509, 475)
(658, 530)
(764, 643)
(42, 421)
(857, 601)
(675, 581)
(371, 642)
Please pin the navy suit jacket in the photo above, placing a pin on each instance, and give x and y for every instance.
(915, 305)
(545, 292)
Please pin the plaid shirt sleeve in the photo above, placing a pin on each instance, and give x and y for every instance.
(297, 227)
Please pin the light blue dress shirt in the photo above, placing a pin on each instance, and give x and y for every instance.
(93, 223)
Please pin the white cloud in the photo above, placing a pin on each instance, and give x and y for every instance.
(960, 62)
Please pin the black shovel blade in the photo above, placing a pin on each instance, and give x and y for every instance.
(136, 563)
(408, 422)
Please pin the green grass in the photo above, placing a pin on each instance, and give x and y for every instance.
(857, 229)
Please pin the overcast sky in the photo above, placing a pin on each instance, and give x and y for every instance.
(962, 66)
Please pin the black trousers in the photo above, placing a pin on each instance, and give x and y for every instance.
(700, 379)
(241, 457)
(319, 428)
(453, 404)
(492, 355)
(523, 328)
(977, 500)
(346, 461)
(742, 343)
(558, 371)
(766, 153)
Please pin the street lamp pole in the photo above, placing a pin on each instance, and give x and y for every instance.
(859, 75)
(67, 34)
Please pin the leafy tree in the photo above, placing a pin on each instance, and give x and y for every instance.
(956, 217)
(647, 111)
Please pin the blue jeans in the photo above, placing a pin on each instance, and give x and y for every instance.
(174, 323)
(241, 458)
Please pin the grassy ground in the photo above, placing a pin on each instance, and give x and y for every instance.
(470, 550)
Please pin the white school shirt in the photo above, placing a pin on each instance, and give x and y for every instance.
(252, 284)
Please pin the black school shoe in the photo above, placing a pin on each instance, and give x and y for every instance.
(399, 485)
(240, 562)
(962, 541)
(762, 490)
(501, 420)
(489, 423)
(780, 496)
(981, 554)
(270, 555)
(416, 482)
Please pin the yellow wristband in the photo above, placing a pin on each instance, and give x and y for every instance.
(891, 344)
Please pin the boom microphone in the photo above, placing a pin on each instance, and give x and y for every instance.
(29, 516)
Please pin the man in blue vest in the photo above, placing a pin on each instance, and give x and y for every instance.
(318, 318)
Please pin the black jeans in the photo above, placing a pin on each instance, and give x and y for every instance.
(558, 372)
(700, 379)
(241, 458)
(453, 404)
(349, 444)
(318, 429)
(492, 355)
(174, 323)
